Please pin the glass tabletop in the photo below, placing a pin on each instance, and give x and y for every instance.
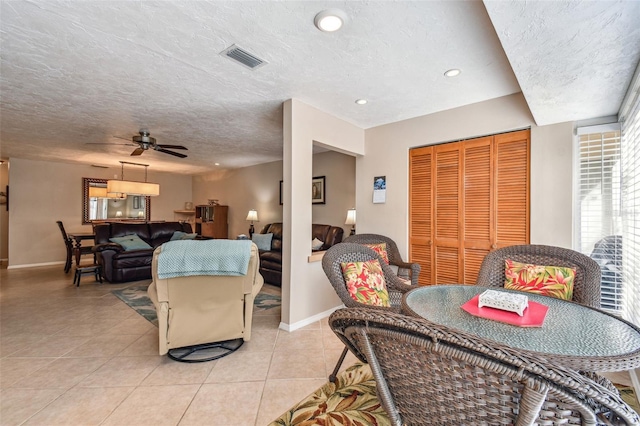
(569, 329)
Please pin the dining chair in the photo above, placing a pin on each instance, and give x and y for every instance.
(430, 374)
(410, 270)
(68, 243)
(351, 252)
(586, 285)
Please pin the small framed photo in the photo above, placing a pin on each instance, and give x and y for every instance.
(318, 195)
(280, 192)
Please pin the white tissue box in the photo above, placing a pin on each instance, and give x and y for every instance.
(505, 301)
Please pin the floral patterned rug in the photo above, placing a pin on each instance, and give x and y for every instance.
(137, 299)
(351, 400)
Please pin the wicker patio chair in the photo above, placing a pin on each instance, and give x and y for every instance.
(586, 285)
(410, 270)
(428, 374)
(350, 252)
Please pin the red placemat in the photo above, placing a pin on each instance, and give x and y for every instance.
(533, 316)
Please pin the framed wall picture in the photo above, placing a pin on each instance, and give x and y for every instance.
(280, 192)
(318, 190)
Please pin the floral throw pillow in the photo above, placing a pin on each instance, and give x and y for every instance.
(381, 249)
(365, 282)
(553, 281)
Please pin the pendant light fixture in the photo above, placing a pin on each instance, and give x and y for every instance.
(128, 187)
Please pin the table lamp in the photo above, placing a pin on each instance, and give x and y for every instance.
(351, 220)
(252, 216)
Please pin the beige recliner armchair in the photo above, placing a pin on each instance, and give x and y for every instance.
(200, 310)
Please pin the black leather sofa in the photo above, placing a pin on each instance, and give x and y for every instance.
(271, 261)
(119, 265)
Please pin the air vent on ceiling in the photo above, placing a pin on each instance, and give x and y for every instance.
(243, 57)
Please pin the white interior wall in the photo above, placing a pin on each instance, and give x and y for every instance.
(552, 198)
(44, 192)
(306, 292)
(258, 187)
(340, 179)
(387, 153)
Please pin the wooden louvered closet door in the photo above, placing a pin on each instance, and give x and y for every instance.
(420, 211)
(512, 168)
(446, 206)
(477, 211)
(467, 198)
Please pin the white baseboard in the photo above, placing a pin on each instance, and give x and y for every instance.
(307, 321)
(34, 265)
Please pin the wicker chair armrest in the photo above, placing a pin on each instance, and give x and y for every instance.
(395, 283)
(414, 270)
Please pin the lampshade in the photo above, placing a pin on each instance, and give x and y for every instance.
(101, 192)
(351, 217)
(252, 216)
(97, 192)
(133, 188)
(118, 213)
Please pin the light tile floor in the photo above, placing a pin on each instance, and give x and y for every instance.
(80, 356)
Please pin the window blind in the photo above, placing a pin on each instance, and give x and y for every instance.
(631, 214)
(598, 220)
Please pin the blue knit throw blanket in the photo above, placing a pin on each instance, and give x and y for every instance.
(185, 258)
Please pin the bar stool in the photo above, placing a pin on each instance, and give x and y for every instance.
(94, 269)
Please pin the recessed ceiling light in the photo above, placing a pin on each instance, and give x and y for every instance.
(216, 164)
(330, 20)
(452, 72)
(361, 101)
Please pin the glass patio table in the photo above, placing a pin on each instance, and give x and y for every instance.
(573, 335)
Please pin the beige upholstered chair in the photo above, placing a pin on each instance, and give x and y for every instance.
(351, 252)
(203, 309)
(586, 286)
(405, 270)
(428, 374)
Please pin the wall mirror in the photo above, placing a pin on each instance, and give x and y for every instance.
(96, 206)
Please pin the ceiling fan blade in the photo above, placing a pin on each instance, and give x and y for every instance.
(108, 143)
(172, 146)
(124, 139)
(137, 151)
(166, 151)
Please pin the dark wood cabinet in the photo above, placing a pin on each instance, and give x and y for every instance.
(211, 221)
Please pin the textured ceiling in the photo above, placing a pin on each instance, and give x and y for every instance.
(574, 60)
(75, 74)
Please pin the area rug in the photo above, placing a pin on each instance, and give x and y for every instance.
(351, 400)
(136, 298)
